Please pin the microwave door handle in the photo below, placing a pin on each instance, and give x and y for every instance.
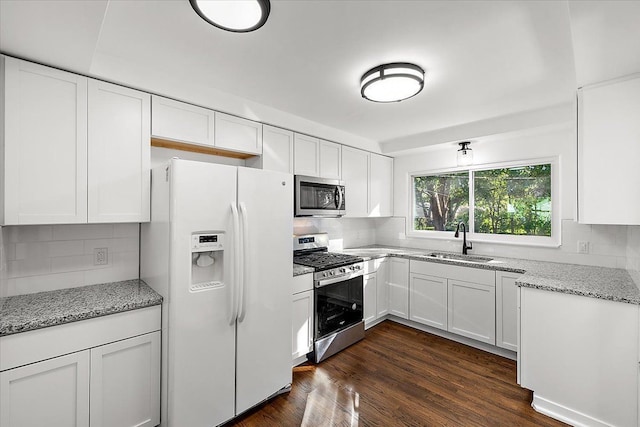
(337, 197)
(340, 195)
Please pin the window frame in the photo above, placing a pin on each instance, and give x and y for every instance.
(509, 239)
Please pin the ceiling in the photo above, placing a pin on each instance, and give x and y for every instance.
(483, 59)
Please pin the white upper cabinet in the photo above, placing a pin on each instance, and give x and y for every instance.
(118, 154)
(306, 149)
(45, 145)
(182, 122)
(355, 174)
(277, 149)
(380, 185)
(608, 152)
(237, 134)
(330, 156)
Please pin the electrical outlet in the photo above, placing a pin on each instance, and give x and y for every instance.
(101, 256)
(583, 247)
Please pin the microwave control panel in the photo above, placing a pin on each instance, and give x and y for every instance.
(207, 242)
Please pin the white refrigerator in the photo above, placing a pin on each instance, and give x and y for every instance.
(226, 333)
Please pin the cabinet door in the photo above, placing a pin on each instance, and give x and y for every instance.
(506, 311)
(370, 297)
(45, 144)
(119, 153)
(472, 310)
(399, 287)
(382, 300)
(178, 121)
(355, 174)
(380, 185)
(302, 332)
(608, 150)
(277, 149)
(238, 134)
(54, 392)
(330, 160)
(306, 152)
(428, 300)
(125, 382)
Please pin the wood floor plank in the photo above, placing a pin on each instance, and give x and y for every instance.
(399, 376)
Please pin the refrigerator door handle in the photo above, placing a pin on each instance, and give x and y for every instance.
(233, 286)
(242, 303)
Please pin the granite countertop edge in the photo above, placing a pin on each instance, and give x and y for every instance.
(582, 280)
(29, 312)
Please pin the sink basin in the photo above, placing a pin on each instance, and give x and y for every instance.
(459, 257)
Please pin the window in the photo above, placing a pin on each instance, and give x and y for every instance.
(501, 204)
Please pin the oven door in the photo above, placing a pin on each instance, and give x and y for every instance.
(338, 306)
(319, 197)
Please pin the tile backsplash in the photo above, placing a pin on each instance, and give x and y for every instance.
(47, 257)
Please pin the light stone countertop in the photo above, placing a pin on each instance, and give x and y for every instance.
(301, 269)
(22, 313)
(597, 282)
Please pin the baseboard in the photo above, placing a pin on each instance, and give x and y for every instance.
(564, 414)
(374, 322)
(299, 360)
(454, 337)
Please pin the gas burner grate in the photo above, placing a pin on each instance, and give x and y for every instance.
(325, 260)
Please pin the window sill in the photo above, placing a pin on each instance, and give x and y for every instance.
(531, 241)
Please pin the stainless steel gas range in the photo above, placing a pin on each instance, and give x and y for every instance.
(338, 294)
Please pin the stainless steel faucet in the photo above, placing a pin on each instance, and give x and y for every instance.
(465, 248)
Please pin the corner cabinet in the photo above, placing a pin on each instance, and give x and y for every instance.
(93, 373)
(608, 150)
(75, 150)
(380, 185)
(355, 174)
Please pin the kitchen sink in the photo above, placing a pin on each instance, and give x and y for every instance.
(459, 257)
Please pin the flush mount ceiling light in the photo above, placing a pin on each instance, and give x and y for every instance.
(392, 82)
(465, 154)
(238, 16)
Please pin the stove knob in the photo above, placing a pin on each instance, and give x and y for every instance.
(324, 274)
(343, 270)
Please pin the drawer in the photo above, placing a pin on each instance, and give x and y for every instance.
(302, 283)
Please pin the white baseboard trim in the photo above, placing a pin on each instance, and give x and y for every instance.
(454, 337)
(374, 322)
(564, 414)
(299, 360)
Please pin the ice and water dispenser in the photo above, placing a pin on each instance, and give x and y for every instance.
(207, 261)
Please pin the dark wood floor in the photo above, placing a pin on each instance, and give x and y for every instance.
(399, 376)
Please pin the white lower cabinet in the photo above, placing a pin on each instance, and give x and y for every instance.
(302, 319)
(53, 392)
(370, 298)
(507, 310)
(398, 285)
(428, 300)
(125, 384)
(472, 310)
(382, 287)
(457, 299)
(579, 356)
(113, 384)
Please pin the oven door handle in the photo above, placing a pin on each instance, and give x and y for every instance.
(331, 281)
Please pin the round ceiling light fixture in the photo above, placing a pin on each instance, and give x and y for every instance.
(392, 82)
(238, 16)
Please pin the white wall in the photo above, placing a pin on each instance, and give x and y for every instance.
(48, 257)
(607, 244)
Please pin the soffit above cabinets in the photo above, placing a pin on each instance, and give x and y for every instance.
(483, 59)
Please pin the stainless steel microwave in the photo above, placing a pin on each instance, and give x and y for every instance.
(319, 196)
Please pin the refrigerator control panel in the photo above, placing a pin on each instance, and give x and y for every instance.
(207, 242)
